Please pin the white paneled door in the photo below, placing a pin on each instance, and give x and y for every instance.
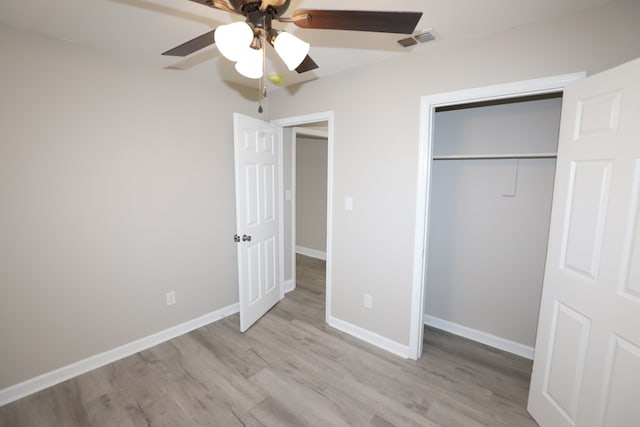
(586, 369)
(257, 216)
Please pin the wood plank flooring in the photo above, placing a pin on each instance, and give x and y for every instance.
(290, 369)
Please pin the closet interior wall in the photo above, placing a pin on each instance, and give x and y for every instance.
(489, 217)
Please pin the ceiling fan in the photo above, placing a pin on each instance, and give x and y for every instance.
(243, 42)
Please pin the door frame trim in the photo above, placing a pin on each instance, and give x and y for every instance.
(327, 116)
(428, 105)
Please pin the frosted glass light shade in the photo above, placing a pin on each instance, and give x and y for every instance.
(233, 40)
(250, 65)
(291, 49)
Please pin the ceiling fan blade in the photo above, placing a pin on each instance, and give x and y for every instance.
(193, 45)
(218, 4)
(358, 20)
(307, 64)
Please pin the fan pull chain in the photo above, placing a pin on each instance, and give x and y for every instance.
(260, 93)
(264, 68)
(262, 89)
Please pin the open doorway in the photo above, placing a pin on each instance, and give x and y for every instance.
(305, 211)
(306, 206)
(305, 187)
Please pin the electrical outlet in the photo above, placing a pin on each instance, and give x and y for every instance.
(171, 298)
(368, 301)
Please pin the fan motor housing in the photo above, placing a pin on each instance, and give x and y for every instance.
(275, 7)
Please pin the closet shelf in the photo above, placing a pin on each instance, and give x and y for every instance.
(497, 156)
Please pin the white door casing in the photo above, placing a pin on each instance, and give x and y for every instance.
(257, 155)
(587, 360)
(427, 114)
(328, 117)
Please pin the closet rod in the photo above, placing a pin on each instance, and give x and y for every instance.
(497, 156)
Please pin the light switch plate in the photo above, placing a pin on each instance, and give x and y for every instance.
(348, 203)
(368, 301)
(171, 298)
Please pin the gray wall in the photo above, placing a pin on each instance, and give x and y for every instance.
(376, 141)
(116, 184)
(311, 193)
(487, 251)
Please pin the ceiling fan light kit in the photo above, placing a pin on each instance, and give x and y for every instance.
(251, 63)
(233, 40)
(291, 49)
(244, 42)
(236, 41)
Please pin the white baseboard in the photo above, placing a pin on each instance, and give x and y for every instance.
(49, 379)
(289, 285)
(370, 337)
(480, 336)
(313, 253)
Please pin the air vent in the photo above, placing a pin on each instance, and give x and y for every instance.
(422, 37)
(409, 41)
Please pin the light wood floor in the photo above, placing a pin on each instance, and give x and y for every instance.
(290, 369)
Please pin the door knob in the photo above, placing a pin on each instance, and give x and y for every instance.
(246, 238)
(236, 238)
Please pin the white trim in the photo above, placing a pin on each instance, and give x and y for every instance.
(57, 376)
(329, 264)
(288, 286)
(313, 253)
(480, 336)
(310, 132)
(327, 116)
(294, 204)
(428, 104)
(370, 337)
(281, 167)
(498, 156)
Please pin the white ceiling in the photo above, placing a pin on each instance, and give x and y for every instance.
(142, 29)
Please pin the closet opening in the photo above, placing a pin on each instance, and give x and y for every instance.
(486, 170)
(492, 174)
